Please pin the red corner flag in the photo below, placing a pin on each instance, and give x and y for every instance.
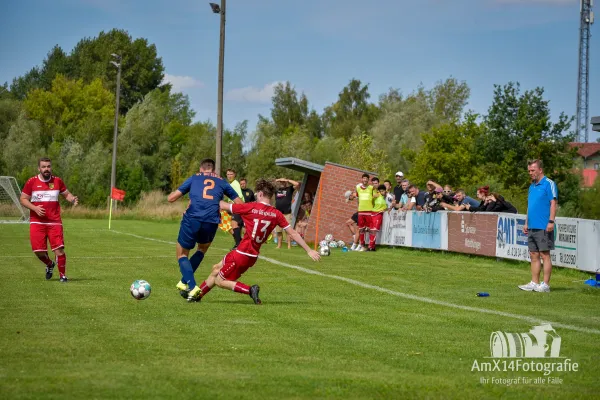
(117, 194)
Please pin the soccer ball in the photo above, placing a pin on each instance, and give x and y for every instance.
(324, 243)
(333, 244)
(324, 251)
(341, 243)
(329, 237)
(140, 289)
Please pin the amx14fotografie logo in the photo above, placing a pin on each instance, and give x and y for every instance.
(535, 351)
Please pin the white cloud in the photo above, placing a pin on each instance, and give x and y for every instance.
(250, 94)
(181, 83)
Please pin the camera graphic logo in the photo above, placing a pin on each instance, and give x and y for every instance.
(541, 341)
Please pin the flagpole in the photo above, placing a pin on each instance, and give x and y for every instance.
(110, 212)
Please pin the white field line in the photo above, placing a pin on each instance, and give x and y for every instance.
(532, 320)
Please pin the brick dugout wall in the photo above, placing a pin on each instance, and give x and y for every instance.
(334, 211)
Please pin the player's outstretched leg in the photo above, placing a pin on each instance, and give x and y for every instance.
(254, 289)
(43, 257)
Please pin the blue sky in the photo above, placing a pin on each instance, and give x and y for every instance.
(319, 45)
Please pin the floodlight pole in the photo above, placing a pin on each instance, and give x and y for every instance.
(220, 10)
(113, 173)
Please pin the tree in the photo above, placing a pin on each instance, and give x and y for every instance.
(448, 99)
(448, 154)
(520, 129)
(291, 111)
(359, 152)
(72, 109)
(401, 122)
(352, 113)
(22, 148)
(142, 69)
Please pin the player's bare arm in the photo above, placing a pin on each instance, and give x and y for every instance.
(25, 201)
(174, 196)
(70, 198)
(298, 239)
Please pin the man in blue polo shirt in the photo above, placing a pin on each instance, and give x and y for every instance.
(542, 202)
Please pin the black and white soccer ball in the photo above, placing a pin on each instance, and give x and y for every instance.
(324, 243)
(333, 244)
(324, 251)
(329, 237)
(140, 289)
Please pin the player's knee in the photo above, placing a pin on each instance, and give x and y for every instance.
(204, 247)
(60, 251)
(535, 256)
(219, 281)
(41, 254)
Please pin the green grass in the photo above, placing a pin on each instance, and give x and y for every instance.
(314, 337)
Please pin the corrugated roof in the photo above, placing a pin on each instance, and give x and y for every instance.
(300, 165)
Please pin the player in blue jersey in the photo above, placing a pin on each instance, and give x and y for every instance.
(200, 221)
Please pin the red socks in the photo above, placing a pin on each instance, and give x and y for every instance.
(241, 288)
(362, 238)
(62, 264)
(204, 288)
(372, 239)
(45, 259)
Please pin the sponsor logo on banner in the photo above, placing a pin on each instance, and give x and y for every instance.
(565, 242)
(511, 241)
(394, 230)
(426, 230)
(472, 233)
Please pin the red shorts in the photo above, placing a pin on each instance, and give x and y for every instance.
(235, 264)
(364, 219)
(376, 221)
(39, 234)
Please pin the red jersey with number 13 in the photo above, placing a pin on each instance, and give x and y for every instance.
(45, 194)
(259, 219)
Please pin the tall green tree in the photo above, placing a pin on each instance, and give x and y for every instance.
(449, 156)
(520, 128)
(351, 113)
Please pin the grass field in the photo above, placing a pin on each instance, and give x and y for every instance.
(397, 323)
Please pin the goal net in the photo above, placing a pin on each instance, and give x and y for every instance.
(11, 209)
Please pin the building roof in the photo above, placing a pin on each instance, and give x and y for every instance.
(300, 165)
(596, 124)
(586, 149)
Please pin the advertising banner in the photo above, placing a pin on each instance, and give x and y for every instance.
(472, 233)
(565, 242)
(588, 245)
(427, 230)
(511, 241)
(396, 229)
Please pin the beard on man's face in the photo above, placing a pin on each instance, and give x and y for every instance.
(46, 174)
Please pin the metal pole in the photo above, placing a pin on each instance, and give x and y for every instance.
(113, 173)
(220, 94)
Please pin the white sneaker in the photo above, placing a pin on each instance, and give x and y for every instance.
(542, 287)
(531, 286)
(353, 247)
(358, 248)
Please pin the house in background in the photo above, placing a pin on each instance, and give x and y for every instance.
(596, 124)
(589, 154)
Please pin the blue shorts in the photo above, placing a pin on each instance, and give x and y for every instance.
(193, 231)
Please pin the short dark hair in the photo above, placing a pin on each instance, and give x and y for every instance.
(381, 187)
(208, 163)
(244, 179)
(536, 161)
(365, 175)
(231, 170)
(461, 191)
(412, 187)
(266, 187)
(388, 181)
(374, 179)
(44, 159)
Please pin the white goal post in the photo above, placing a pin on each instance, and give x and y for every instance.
(11, 210)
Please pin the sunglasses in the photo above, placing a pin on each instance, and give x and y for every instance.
(447, 191)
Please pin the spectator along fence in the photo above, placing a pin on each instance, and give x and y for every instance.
(577, 241)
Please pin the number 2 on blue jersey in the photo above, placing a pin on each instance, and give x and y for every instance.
(209, 184)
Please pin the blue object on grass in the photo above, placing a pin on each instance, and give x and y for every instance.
(483, 294)
(593, 283)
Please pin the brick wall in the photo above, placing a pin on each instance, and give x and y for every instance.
(334, 211)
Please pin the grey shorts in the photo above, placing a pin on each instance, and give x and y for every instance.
(540, 240)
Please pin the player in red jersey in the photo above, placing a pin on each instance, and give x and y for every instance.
(40, 196)
(260, 218)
